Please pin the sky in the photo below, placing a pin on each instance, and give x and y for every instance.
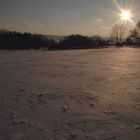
(63, 17)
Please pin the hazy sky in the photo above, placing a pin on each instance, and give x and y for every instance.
(62, 17)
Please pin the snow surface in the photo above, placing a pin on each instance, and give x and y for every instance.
(67, 95)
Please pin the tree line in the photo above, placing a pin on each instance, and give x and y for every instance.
(17, 40)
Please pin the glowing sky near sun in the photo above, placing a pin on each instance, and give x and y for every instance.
(63, 17)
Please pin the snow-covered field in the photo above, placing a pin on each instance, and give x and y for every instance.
(67, 95)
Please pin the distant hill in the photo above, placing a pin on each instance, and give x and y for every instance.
(56, 37)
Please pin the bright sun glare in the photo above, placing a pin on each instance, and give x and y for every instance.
(126, 15)
(126, 12)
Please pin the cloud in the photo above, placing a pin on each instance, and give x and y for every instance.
(4, 23)
(24, 23)
(105, 27)
(20, 26)
(99, 20)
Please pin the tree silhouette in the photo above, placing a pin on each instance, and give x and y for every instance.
(134, 36)
(16, 40)
(75, 42)
(118, 33)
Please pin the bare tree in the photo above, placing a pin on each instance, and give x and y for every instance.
(135, 33)
(118, 33)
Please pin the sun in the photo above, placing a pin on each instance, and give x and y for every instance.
(126, 15)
